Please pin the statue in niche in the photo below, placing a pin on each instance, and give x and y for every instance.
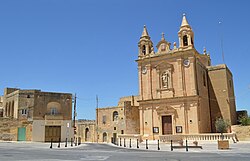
(163, 47)
(165, 78)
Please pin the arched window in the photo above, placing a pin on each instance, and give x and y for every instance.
(9, 108)
(53, 108)
(185, 40)
(12, 109)
(6, 109)
(115, 115)
(144, 50)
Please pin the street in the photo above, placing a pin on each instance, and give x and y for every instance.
(41, 152)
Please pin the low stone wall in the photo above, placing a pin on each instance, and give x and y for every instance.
(242, 132)
(9, 129)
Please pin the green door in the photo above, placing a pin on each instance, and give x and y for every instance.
(21, 134)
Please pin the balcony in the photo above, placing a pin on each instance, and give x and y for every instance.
(50, 116)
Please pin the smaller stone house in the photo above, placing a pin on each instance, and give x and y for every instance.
(42, 116)
(121, 119)
(86, 130)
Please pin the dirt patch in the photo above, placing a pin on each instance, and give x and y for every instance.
(242, 132)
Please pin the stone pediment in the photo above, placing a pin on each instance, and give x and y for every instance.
(163, 65)
(165, 110)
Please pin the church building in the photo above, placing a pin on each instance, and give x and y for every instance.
(180, 92)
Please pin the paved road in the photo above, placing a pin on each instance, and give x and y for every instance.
(96, 152)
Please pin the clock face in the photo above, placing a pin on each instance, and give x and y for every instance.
(186, 62)
(144, 70)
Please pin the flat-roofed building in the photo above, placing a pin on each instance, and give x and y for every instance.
(42, 116)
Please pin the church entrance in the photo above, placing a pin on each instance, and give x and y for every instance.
(167, 125)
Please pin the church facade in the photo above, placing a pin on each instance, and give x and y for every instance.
(180, 92)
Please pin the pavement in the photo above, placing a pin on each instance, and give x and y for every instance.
(35, 151)
(207, 146)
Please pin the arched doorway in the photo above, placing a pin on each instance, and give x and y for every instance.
(104, 137)
(87, 134)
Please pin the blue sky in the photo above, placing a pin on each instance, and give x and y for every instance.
(89, 47)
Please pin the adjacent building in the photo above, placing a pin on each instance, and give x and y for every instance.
(121, 119)
(86, 130)
(42, 116)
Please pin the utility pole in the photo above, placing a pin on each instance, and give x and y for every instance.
(97, 118)
(221, 43)
(74, 119)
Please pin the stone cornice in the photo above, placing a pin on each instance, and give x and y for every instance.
(173, 54)
(169, 100)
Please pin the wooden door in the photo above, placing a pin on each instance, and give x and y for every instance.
(52, 132)
(167, 125)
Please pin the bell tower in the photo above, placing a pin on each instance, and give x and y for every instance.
(186, 35)
(145, 44)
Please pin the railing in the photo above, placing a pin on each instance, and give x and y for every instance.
(210, 136)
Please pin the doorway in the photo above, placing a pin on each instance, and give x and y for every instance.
(86, 134)
(104, 137)
(21, 134)
(114, 138)
(167, 125)
(52, 132)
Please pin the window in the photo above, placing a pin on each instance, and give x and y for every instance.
(204, 79)
(104, 119)
(24, 111)
(230, 83)
(115, 115)
(114, 128)
(143, 49)
(53, 111)
(185, 40)
(178, 129)
(122, 132)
